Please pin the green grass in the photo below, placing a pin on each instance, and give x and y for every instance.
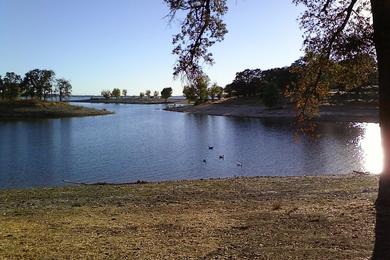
(265, 218)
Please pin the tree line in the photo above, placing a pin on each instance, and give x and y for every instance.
(117, 93)
(248, 83)
(277, 84)
(36, 84)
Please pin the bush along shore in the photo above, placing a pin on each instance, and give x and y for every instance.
(31, 109)
(325, 217)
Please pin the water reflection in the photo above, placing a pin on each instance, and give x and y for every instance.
(146, 143)
(370, 143)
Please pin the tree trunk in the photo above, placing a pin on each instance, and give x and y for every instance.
(381, 17)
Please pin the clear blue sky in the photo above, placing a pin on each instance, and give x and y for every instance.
(102, 44)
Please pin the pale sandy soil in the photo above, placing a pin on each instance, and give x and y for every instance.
(238, 108)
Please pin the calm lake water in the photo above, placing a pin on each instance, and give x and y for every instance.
(143, 142)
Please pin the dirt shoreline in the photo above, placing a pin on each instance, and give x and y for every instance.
(345, 113)
(323, 217)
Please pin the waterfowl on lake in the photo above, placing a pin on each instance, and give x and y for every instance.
(239, 164)
(211, 147)
(204, 160)
(222, 157)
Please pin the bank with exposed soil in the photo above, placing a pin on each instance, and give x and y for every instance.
(245, 108)
(327, 217)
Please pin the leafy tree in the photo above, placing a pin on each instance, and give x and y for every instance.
(148, 93)
(198, 90)
(166, 93)
(190, 93)
(156, 94)
(230, 90)
(116, 93)
(215, 91)
(39, 83)
(124, 92)
(219, 92)
(247, 82)
(201, 29)
(201, 84)
(12, 83)
(33, 83)
(106, 94)
(48, 83)
(63, 88)
(141, 95)
(284, 78)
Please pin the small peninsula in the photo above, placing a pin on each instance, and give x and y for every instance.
(34, 109)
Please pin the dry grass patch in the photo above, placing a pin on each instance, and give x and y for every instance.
(264, 218)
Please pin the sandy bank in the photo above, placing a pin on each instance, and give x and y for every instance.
(346, 113)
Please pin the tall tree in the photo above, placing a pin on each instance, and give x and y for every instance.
(334, 31)
(64, 88)
(190, 93)
(381, 18)
(31, 83)
(116, 92)
(230, 90)
(248, 82)
(12, 82)
(166, 93)
(106, 94)
(215, 91)
(47, 83)
(201, 84)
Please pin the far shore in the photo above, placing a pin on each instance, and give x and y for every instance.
(254, 109)
(131, 100)
(33, 109)
(323, 217)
